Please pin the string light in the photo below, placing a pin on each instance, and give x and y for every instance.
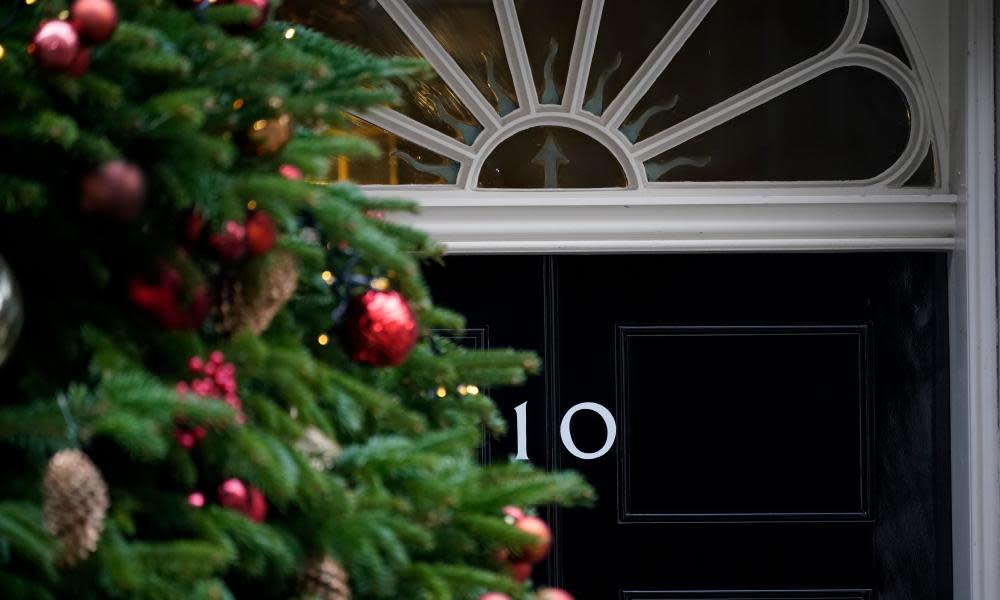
(441, 392)
(259, 124)
(463, 389)
(289, 33)
(323, 339)
(328, 277)
(252, 205)
(3, 51)
(63, 15)
(472, 389)
(30, 2)
(381, 284)
(238, 104)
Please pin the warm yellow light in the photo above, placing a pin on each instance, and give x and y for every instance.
(252, 205)
(463, 390)
(289, 33)
(327, 277)
(473, 390)
(323, 339)
(238, 104)
(3, 51)
(441, 392)
(63, 15)
(30, 2)
(380, 283)
(259, 124)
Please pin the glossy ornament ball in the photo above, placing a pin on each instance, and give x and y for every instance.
(55, 45)
(494, 596)
(379, 328)
(244, 498)
(261, 233)
(94, 20)
(536, 552)
(261, 6)
(230, 244)
(553, 594)
(520, 571)
(80, 63)
(11, 311)
(266, 137)
(115, 190)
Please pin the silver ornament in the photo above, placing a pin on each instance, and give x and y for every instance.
(11, 310)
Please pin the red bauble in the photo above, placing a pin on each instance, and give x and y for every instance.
(55, 45)
(494, 596)
(94, 20)
(248, 500)
(534, 553)
(513, 514)
(520, 571)
(553, 594)
(261, 233)
(164, 299)
(261, 6)
(290, 172)
(115, 189)
(379, 328)
(80, 64)
(230, 243)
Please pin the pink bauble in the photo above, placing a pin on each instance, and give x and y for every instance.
(553, 594)
(494, 596)
(55, 45)
(233, 493)
(261, 6)
(94, 20)
(536, 552)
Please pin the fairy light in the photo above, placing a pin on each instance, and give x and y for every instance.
(63, 15)
(252, 205)
(380, 283)
(30, 2)
(238, 104)
(463, 389)
(323, 339)
(259, 124)
(327, 277)
(441, 392)
(3, 51)
(289, 33)
(473, 390)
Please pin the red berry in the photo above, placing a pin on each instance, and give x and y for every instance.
(196, 499)
(217, 357)
(520, 571)
(195, 364)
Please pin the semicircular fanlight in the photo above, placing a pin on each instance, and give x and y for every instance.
(652, 93)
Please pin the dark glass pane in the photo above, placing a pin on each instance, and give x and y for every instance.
(740, 44)
(365, 24)
(400, 162)
(849, 124)
(549, 27)
(882, 34)
(468, 30)
(551, 157)
(926, 173)
(629, 32)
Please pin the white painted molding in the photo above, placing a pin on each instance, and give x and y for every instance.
(570, 222)
(973, 304)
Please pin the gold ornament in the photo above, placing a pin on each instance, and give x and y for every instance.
(325, 579)
(75, 504)
(319, 449)
(267, 137)
(252, 305)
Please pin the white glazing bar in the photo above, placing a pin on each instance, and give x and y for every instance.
(657, 61)
(443, 63)
(583, 53)
(517, 54)
(418, 133)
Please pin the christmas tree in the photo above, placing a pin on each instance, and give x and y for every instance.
(219, 376)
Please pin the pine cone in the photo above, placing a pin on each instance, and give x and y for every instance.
(325, 579)
(252, 305)
(75, 504)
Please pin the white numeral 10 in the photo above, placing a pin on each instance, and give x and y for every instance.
(521, 412)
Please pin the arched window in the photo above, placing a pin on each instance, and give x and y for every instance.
(641, 94)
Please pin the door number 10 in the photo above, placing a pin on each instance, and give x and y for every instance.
(521, 410)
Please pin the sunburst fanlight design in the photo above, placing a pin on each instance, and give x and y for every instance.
(633, 94)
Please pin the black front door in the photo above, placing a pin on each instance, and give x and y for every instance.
(756, 426)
